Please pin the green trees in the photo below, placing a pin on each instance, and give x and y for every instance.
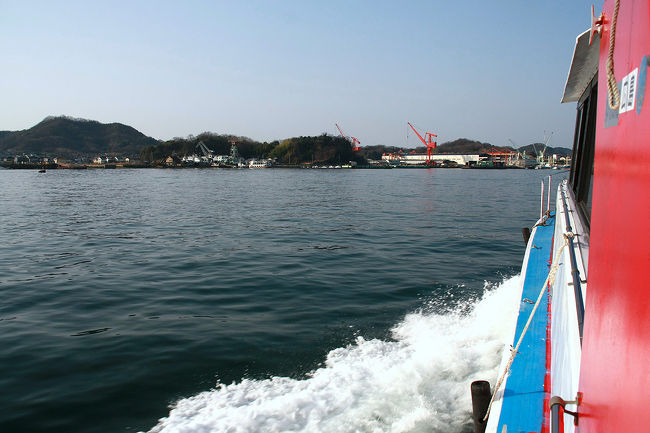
(322, 149)
(68, 137)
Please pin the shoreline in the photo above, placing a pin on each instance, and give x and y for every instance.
(148, 166)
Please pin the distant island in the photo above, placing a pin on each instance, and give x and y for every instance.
(72, 138)
(66, 139)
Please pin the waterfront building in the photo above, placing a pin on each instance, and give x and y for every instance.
(460, 159)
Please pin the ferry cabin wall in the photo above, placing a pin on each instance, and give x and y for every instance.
(615, 372)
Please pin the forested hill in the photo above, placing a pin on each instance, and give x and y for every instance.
(562, 151)
(325, 149)
(464, 145)
(219, 143)
(321, 149)
(460, 145)
(69, 137)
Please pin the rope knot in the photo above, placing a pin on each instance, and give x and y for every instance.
(569, 235)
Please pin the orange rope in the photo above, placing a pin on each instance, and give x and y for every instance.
(614, 96)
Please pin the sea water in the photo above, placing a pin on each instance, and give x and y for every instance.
(215, 300)
(415, 381)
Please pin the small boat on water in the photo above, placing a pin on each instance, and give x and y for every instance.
(580, 346)
(259, 163)
(42, 170)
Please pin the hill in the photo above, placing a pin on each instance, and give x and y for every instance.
(322, 149)
(464, 145)
(561, 151)
(218, 143)
(69, 137)
(460, 145)
(72, 138)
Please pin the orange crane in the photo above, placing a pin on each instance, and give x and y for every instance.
(428, 141)
(355, 142)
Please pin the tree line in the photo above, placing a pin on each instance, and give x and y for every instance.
(321, 149)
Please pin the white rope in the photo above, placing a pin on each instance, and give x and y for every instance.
(550, 280)
(614, 97)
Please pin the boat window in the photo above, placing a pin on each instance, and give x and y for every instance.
(582, 169)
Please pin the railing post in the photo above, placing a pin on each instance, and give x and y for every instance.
(557, 416)
(541, 202)
(548, 204)
(558, 409)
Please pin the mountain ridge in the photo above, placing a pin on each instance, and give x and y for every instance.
(72, 137)
(69, 137)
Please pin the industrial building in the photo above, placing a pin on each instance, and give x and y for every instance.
(460, 159)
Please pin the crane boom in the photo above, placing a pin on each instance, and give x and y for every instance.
(355, 140)
(428, 141)
(339, 128)
(546, 142)
(417, 133)
(207, 152)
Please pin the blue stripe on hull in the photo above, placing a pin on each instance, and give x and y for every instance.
(523, 398)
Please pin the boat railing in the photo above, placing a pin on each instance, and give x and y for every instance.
(575, 272)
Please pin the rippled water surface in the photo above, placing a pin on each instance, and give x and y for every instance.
(252, 300)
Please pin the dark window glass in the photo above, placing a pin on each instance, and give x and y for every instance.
(582, 169)
(578, 139)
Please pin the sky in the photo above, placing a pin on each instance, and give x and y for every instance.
(489, 71)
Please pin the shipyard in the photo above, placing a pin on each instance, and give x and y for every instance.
(210, 150)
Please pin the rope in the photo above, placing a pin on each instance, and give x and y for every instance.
(614, 96)
(550, 280)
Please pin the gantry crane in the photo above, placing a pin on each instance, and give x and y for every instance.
(520, 155)
(355, 142)
(206, 151)
(540, 154)
(428, 141)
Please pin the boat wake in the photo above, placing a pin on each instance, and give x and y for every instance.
(418, 382)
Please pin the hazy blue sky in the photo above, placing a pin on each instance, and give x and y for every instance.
(276, 69)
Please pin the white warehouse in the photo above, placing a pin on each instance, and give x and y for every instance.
(421, 158)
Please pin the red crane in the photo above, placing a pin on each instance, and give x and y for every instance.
(355, 142)
(428, 141)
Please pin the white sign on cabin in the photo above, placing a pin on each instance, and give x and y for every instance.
(628, 91)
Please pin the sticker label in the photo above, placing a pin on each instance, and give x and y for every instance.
(628, 91)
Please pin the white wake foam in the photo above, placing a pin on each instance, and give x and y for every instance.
(417, 383)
